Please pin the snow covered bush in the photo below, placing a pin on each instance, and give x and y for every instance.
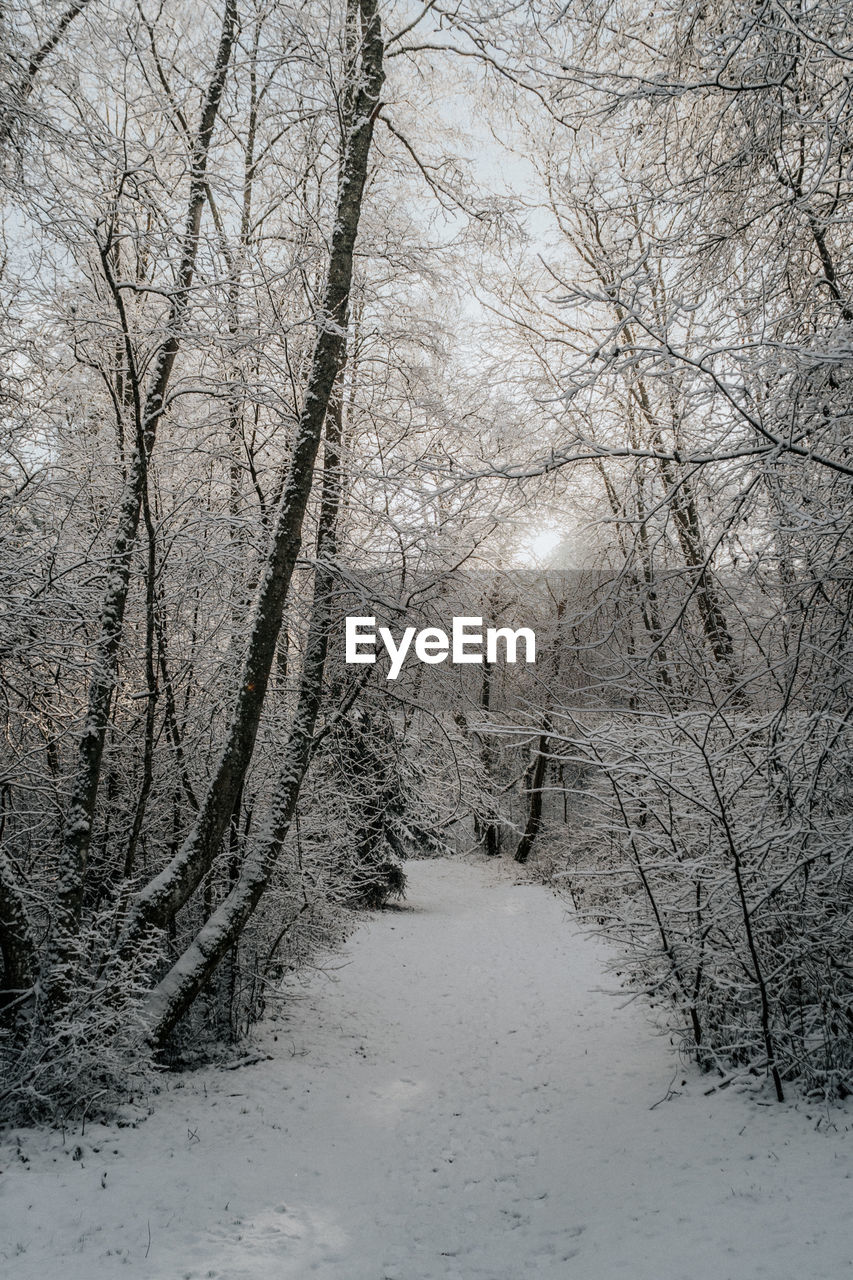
(379, 791)
(719, 853)
(90, 1055)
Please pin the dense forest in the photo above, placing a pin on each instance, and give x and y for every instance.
(532, 312)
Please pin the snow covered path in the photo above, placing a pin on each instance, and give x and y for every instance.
(462, 1101)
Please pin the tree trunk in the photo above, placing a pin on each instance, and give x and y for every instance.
(488, 831)
(534, 812)
(168, 892)
(219, 935)
(16, 940)
(84, 790)
(25, 85)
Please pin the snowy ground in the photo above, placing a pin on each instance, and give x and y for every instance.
(462, 1100)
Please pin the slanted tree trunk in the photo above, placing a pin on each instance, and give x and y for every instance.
(26, 84)
(681, 501)
(645, 585)
(157, 904)
(84, 788)
(221, 931)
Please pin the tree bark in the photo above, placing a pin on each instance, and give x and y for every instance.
(488, 831)
(534, 811)
(25, 85)
(84, 790)
(220, 933)
(166, 894)
(17, 946)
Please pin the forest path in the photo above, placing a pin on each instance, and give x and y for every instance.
(462, 1100)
